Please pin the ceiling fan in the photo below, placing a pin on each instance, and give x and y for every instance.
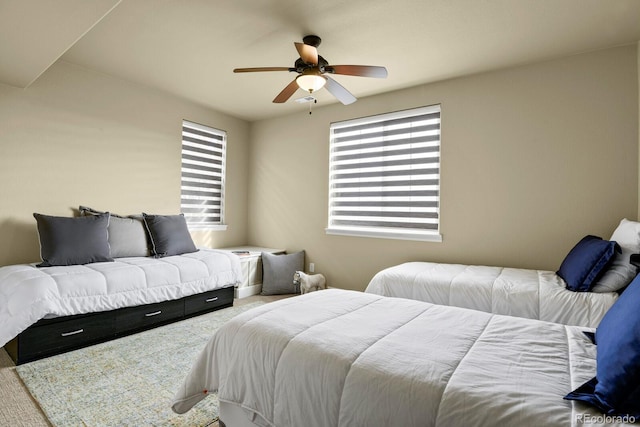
(313, 72)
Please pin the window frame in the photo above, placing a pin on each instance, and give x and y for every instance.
(404, 232)
(222, 158)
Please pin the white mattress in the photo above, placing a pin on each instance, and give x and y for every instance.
(29, 293)
(533, 294)
(345, 358)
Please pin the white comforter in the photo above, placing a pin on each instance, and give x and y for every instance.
(29, 293)
(534, 294)
(344, 358)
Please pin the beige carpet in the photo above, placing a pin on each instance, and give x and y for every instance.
(18, 408)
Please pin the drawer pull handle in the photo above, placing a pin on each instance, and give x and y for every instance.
(66, 334)
(211, 299)
(155, 313)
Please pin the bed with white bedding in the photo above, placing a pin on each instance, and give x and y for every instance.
(344, 358)
(585, 286)
(534, 294)
(29, 293)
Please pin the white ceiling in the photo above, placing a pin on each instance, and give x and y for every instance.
(190, 47)
(34, 34)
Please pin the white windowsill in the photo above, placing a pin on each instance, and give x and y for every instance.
(219, 227)
(435, 237)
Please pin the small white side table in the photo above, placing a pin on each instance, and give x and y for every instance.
(251, 262)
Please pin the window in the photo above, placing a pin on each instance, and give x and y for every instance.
(203, 173)
(384, 178)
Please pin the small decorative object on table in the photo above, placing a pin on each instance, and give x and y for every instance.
(241, 253)
(309, 282)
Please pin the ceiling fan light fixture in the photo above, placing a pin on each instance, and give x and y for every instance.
(311, 81)
(310, 69)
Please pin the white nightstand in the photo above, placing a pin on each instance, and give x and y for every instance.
(251, 263)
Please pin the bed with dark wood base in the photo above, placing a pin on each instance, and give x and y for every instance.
(50, 310)
(49, 337)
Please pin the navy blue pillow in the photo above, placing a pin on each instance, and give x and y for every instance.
(616, 388)
(586, 262)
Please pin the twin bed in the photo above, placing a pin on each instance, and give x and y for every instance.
(345, 358)
(457, 345)
(580, 293)
(102, 276)
(533, 294)
(48, 310)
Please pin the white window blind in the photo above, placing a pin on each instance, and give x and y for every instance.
(384, 178)
(203, 175)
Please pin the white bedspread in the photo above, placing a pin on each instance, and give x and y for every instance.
(534, 294)
(29, 293)
(345, 358)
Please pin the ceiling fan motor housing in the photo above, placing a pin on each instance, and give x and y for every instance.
(300, 65)
(312, 40)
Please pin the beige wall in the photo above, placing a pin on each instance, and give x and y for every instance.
(533, 159)
(80, 137)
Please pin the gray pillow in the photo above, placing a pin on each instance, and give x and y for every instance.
(127, 234)
(72, 241)
(278, 271)
(169, 235)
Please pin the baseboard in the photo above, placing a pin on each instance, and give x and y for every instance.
(247, 291)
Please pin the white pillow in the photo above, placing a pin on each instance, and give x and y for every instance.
(621, 272)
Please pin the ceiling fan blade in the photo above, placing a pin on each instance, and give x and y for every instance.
(309, 54)
(337, 90)
(286, 92)
(251, 70)
(358, 70)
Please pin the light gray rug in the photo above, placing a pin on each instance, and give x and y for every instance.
(129, 381)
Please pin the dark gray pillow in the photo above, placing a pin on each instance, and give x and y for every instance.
(169, 235)
(72, 241)
(127, 234)
(278, 271)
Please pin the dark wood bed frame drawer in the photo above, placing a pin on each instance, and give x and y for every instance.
(208, 301)
(146, 316)
(53, 337)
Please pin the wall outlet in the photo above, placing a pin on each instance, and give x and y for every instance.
(312, 267)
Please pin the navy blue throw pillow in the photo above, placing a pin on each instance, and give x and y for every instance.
(616, 388)
(586, 262)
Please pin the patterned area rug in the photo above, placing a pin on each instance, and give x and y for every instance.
(130, 381)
